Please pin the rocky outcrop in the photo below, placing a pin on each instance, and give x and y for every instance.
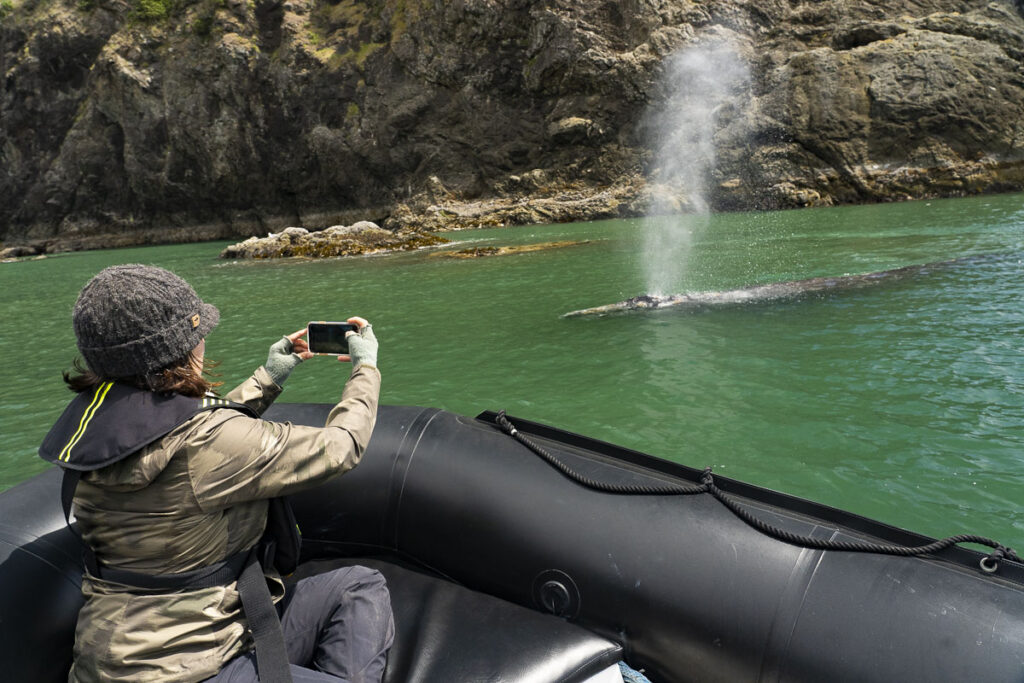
(339, 240)
(480, 252)
(20, 253)
(139, 121)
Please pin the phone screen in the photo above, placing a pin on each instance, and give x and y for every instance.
(326, 337)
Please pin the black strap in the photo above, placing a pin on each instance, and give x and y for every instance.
(218, 574)
(265, 625)
(68, 484)
(281, 544)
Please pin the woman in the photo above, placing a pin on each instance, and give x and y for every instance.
(174, 487)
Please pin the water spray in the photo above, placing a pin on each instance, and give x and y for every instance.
(697, 81)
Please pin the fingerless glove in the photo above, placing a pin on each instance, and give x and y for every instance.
(281, 361)
(362, 347)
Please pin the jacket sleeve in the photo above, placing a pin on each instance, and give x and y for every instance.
(234, 458)
(257, 392)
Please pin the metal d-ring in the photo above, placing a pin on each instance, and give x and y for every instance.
(989, 565)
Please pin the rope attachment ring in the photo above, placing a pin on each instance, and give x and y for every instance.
(990, 563)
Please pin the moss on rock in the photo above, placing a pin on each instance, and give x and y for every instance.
(478, 252)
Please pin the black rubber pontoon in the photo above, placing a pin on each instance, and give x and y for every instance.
(689, 591)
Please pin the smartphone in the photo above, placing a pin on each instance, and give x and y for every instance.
(329, 338)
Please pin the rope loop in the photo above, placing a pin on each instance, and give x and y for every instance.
(706, 479)
(989, 564)
(669, 489)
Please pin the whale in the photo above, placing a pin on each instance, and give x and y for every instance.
(763, 293)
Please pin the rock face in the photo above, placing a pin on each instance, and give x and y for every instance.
(135, 121)
(885, 102)
(338, 240)
(526, 204)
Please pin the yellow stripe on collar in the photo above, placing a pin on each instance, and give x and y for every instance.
(83, 424)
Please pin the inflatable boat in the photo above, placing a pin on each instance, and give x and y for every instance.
(518, 552)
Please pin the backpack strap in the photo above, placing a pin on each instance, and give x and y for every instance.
(68, 484)
(264, 623)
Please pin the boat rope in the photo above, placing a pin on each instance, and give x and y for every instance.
(989, 564)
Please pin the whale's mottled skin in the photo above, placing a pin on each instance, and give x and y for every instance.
(760, 293)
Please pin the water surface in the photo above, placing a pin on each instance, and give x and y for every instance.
(903, 402)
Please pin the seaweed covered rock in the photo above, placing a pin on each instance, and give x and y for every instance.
(360, 238)
(480, 252)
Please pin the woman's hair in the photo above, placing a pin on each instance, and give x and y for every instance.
(179, 377)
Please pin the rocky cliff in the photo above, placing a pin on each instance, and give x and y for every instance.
(135, 121)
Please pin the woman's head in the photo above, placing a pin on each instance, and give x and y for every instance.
(139, 324)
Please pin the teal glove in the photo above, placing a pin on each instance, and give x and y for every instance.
(362, 347)
(281, 361)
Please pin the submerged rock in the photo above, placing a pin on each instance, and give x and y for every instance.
(338, 240)
(478, 252)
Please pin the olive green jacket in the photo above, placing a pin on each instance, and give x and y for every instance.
(193, 498)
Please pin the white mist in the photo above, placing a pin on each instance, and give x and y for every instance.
(697, 81)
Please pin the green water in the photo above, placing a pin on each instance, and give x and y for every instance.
(903, 402)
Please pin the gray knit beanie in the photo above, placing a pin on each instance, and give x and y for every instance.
(132, 320)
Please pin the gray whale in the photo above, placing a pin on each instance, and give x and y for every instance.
(762, 293)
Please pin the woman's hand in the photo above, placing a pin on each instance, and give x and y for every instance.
(300, 346)
(362, 345)
(285, 354)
